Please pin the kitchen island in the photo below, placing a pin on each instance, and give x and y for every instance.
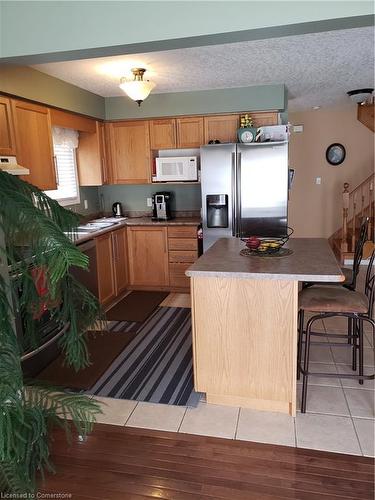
(244, 321)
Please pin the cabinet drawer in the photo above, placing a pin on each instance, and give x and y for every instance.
(182, 232)
(182, 244)
(182, 256)
(177, 275)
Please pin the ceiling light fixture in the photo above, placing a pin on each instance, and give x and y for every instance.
(361, 96)
(315, 108)
(137, 89)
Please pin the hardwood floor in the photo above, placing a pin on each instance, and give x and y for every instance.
(177, 300)
(128, 463)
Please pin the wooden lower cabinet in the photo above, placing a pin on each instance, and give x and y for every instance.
(145, 257)
(106, 276)
(120, 259)
(182, 252)
(112, 264)
(148, 256)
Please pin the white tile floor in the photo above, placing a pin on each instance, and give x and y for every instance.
(340, 413)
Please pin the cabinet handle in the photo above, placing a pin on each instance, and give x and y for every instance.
(114, 247)
(104, 170)
(56, 170)
(117, 250)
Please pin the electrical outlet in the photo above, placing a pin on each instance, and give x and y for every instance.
(149, 202)
(86, 204)
(298, 128)
(318, 180)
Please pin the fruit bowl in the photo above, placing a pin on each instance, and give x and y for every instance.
(270, 246)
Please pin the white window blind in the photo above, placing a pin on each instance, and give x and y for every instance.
(67, 192)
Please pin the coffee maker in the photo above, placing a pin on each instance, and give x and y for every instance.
(161, 205)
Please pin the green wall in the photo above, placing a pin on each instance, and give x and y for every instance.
(256, 98)
(90, 194)
(134, 197)
(32, 84)
(99, 28)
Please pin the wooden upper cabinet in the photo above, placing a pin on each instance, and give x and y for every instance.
(7, 137)
(190, 132)
(91, 157)
(32, 125)
(148, 256)
(264, 118)
(222, 128)
(129, 150)
(163, 134)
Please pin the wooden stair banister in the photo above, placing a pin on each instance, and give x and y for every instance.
(370, 233)
(345, 210)
(365, 114)
(356, 205)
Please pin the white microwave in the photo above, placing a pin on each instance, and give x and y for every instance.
(176, 168)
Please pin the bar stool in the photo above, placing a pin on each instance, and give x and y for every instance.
(350, 274)
(333, 301)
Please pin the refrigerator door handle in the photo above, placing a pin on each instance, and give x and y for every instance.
(238, 196)
(234, 183)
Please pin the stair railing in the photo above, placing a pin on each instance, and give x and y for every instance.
(345, 212)
(357, 204)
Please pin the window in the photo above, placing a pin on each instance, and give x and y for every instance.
(67, 192)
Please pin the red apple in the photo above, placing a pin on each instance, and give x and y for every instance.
(253, 242)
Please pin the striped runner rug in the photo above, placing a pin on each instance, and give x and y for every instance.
(157, 365)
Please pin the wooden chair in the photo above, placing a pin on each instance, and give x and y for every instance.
(333, 301)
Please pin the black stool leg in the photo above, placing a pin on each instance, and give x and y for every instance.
(354, 344)
(301, 315)
(360, 348)
(350, 330)
(306, 367)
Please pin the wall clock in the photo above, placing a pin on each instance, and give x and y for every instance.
(247, 134)
(335, 154)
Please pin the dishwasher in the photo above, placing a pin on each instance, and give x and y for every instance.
(36, 359)
(89, 277)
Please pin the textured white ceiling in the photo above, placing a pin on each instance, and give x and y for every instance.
(317, 68)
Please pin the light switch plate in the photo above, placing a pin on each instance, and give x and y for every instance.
(149, 202)
(86, 204)
(318, 180)
(297, 128)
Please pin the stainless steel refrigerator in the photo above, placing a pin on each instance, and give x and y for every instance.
(244, 190)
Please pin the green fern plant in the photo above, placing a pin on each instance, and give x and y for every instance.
(32, 227)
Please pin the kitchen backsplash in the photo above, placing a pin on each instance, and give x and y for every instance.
(187, 198)
(92, 196)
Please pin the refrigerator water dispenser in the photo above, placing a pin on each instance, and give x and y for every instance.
(217, 210)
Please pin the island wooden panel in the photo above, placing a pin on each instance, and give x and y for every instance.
(244, 341)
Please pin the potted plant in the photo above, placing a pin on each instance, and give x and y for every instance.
(35, 262)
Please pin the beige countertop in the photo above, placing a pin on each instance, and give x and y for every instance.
(79, 238)
(312, 260)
